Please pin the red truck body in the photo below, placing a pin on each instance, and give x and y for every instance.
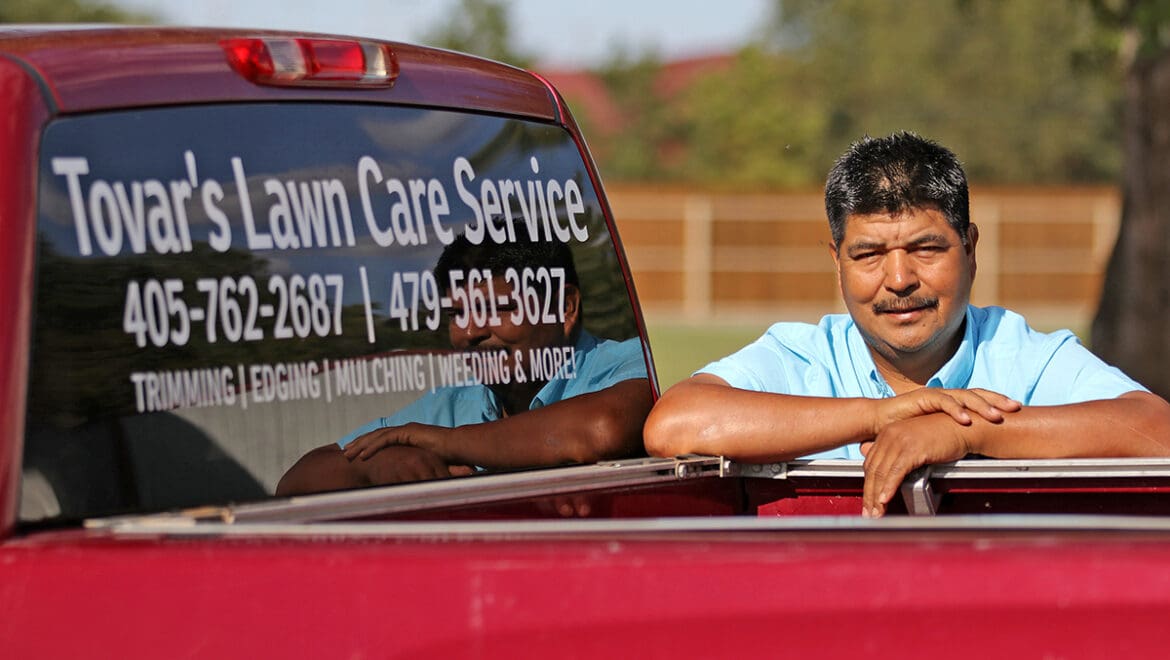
(694, 556)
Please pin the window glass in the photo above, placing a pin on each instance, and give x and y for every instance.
(222, 289)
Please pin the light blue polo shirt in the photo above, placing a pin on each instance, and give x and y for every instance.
(598, 364)
(999, 352)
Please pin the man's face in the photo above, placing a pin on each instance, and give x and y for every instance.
(906, 281)
(510, 329)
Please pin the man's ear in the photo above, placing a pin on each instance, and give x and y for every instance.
(572, 309)
(835, 253)
(972, 239)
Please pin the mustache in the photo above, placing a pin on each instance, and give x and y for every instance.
(903, 304)
(487, 348)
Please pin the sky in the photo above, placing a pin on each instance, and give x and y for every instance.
(558, 33)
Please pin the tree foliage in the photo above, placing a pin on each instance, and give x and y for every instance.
(479, 27)
(648, 126)
(66, 11)
(1025, 92)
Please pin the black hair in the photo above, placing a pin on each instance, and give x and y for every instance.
(895, 174)
(522, 252)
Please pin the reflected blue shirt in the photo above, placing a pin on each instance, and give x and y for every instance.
(598, 364)
(999, 352)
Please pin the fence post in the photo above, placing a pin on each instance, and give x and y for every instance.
(1106, 218)
(698, 215)
(986, 215)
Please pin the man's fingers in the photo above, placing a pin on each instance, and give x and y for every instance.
(874, 476)
(943, 402)
(369, 444)
(362, 449)
(880, 486)
(980, 406)
(352, 450)
(989, 405)
(886, 465)
(424, 469)
(1000, 401)
(959, 405)
(903, 447)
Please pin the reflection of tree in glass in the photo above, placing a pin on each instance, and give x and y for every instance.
(518, 138)
(605, 302)
(83, 358)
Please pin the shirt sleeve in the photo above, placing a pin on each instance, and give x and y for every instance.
(1073, 374)
(774, 363)
(623, 361)
(436, 408)
(740, 369)
(368, 427)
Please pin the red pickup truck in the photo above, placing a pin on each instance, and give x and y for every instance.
(223, 249)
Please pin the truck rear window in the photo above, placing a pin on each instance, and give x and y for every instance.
(221, 289)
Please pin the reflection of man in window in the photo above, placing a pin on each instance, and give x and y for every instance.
(592, 410)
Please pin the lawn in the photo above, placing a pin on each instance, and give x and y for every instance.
(680, 349)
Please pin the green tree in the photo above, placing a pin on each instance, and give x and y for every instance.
(987, 78)
(640, 146)
(1132, 325)
(747, 128)
(66, 11)
(479, 27)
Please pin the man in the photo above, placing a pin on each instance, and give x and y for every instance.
(913, 374)
(592, 409)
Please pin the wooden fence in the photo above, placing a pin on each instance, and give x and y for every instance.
(704, 256)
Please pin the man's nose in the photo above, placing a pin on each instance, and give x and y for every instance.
(901, 278)
(469, 336)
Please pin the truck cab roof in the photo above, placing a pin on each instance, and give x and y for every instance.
(86, 68)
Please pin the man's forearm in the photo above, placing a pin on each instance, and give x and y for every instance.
(322, 469)
(327, 468)
(1135, 424)
(582, 429)
(703, 416)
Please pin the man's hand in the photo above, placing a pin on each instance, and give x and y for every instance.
(423, 436)
(903, 447)
(327, 468)
(393, 465)
(958, 404)
(921, 427)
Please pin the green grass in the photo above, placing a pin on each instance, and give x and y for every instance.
(680, 349)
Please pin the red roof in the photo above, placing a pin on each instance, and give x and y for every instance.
(588, 97)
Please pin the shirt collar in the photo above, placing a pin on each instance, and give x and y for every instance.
(554, 389)
(862, 363)
(955, 374)
(492, 410)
